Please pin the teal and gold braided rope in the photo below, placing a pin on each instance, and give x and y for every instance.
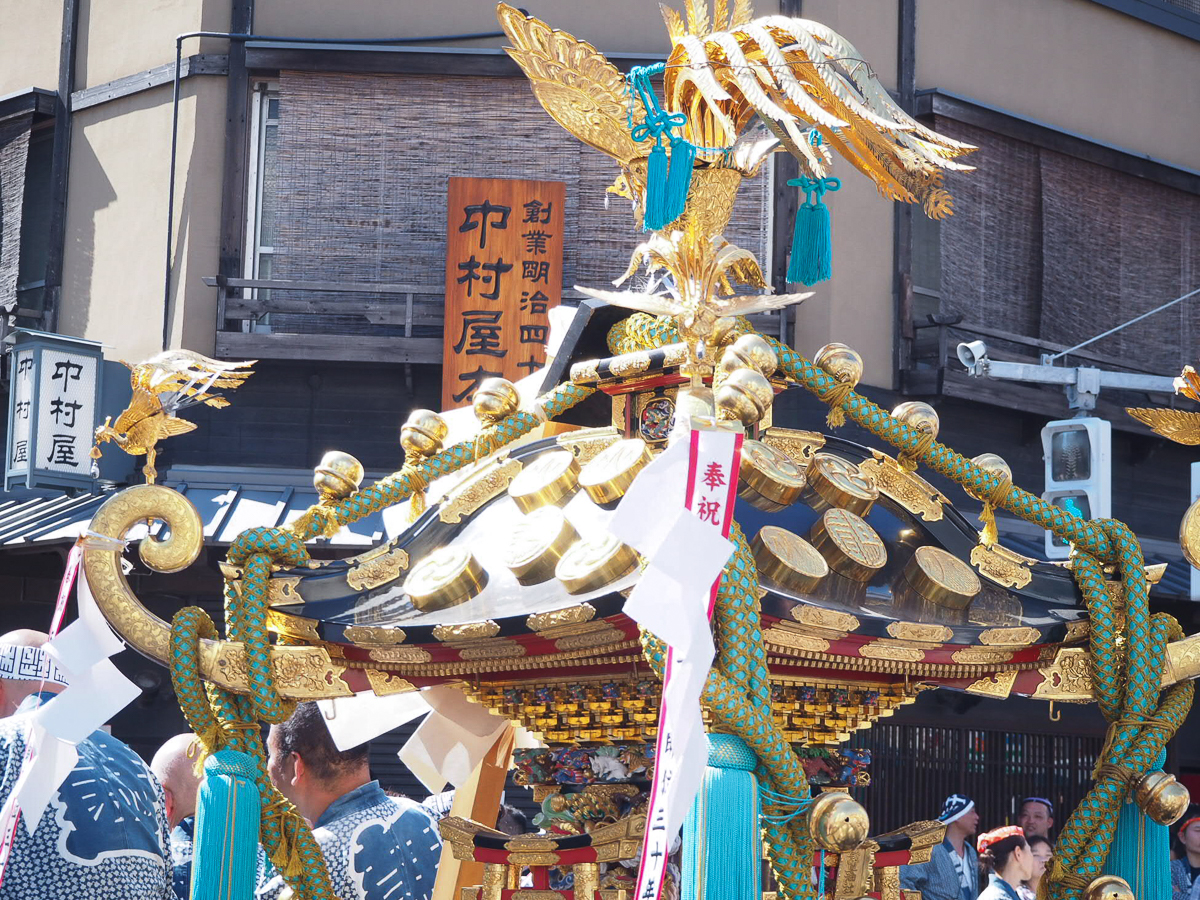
(1127, 656)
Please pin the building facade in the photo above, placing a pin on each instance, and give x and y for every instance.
(279, 194)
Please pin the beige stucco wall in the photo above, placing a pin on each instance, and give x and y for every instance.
(1074, 64)
(855, 306)
(29, 40)
(116, 220)
(118, 38)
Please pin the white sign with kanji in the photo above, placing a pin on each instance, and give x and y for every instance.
(678, 515)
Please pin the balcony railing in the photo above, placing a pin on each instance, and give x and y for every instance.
(350, 321)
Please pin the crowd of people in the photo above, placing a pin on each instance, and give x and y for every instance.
(1013, 857)
(118, 829)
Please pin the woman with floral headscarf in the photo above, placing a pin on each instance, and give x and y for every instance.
(1005, 854)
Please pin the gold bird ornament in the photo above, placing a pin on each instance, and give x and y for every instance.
(1175, 424)
(162, 386)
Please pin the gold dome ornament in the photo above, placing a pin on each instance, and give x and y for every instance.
(923, 419)
(845, 366)
(1108, 887)
(744, 395)
(421, 437)
(750, 351)
(993, 465)
(337, 477)
(495, 399)
(837, 822)
(1161, 797)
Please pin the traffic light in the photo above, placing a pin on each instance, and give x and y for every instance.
(1078, 458)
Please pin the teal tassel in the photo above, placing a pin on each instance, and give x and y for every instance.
(656, 189)
(1140, 851)
(812, 241)
(722, 844)
(679, 179)
(228, 813)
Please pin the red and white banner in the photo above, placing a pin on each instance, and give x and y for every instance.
(678, 515)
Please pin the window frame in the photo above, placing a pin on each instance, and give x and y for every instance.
(263, 92)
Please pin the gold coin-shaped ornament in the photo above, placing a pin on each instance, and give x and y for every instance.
(607, 477)
(837, 822)
(447, 577)
(835, 482)
(941, 577)
(788, 559)
(768, 479)
(591, 564)
(1189, 534)
(849, 545)
(537, 543)
(545, 481)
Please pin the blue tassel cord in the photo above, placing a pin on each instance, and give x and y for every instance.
(812, 240)
(228, 814)
(722, 842)
(667, 185)
(1140, 851)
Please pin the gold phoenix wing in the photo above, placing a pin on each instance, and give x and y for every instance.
(182, 378)
(1175, 424)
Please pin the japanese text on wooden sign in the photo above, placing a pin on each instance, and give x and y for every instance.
(503, 274)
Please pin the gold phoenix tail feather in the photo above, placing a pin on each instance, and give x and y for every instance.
(792, 75)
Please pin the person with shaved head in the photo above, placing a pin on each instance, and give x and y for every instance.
(103, 834)
(174, 765)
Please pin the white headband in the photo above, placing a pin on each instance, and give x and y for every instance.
(20, 663)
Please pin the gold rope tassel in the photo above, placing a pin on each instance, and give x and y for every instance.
(835, 397)
(419, 483)
(992, 498)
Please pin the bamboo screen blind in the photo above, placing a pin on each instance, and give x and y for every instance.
(1049, 246)
(14, 153)
(363, 163)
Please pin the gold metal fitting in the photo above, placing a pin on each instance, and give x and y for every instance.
(923, 418)
(545, 481)
(538, 543)
(788, 560)
(750, 351)
(849, 545)
(835, 482)
(768, 479)
(837, 822)
(590, 565)
(447, 577)
(1108, 887)
(745, 395)
(941, 577)
(841, 362)
(338, 476)
(423, 433)
(1161, 797)
(607, 477)
(495, 399)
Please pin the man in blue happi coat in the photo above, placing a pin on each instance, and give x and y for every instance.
(104, 833)
(174, 765)
(376, 847)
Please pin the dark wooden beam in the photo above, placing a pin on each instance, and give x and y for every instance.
(961, 109)
(902, 213)
(197, 64)
(60, 163)
(1163, 13)
(328, 347)
(398, 60)
(38, 101)
(237, 146)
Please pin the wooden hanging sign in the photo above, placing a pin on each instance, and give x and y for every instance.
(503, 274)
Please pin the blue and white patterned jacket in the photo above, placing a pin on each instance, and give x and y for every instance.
(376, 847)
(104, 834)
(938, 878)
